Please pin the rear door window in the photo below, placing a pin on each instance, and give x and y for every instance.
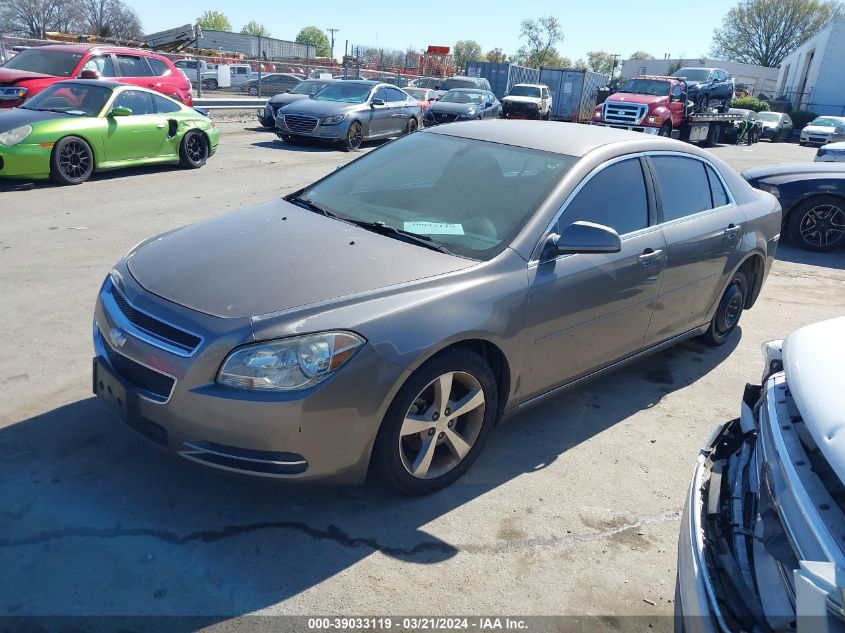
(133, 66)
(614, 197)
(102, 65)
(683, 185)
(158, 66)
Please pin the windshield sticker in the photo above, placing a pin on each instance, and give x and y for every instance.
(434, 228)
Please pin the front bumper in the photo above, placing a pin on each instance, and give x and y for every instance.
(170, 396)
(267, 116)
(25, 160)
(319, 131)
(634, 128)
(815, 139)
(519, 112)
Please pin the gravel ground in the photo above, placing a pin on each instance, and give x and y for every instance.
(573, 509)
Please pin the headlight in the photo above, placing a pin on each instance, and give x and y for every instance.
(597, 114)
(470, 112)
(288, 364)
(655, 120)
(13, 93)
(333, 120)
(13, 137)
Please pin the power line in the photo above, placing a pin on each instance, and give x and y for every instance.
(332, 31)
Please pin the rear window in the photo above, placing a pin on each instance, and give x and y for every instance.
(48, 62)
(132, 66)
(164, 106)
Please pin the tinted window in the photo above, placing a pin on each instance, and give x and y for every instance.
(614, 197)
(381, 93)
(131, 66)
(676, 90)
(684, 188)
(717, 190)
(163, 106)
(394, 94)
(159, 66)
(102, 65)
(137, 101)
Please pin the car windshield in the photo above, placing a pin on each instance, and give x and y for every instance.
(693, 74)
(471, 197)
(48, 62)
(653, 87)
(70, 98)
(827, 122)
(457, 82)
(525, 91)
(461, 96)
(344, 92)
(309, 87)
(416, 93)
(769, 116)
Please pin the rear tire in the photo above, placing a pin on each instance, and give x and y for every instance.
(728, 312)
(194, 150)
(412, 126)
(71, 162)
(818, 224)
(420, 448)
(713, 135)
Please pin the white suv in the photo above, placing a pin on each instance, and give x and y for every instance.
(527, 101)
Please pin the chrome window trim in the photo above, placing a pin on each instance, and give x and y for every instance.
(121, 320)
(535, 253)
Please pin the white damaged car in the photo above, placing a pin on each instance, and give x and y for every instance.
(762, 544)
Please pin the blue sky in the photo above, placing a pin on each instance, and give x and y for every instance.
(617, 26)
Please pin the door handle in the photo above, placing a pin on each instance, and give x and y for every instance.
(161, 126)
(732, 231)
(650, 256)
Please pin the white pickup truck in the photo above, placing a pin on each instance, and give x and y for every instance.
(239, 74)
(527, 101)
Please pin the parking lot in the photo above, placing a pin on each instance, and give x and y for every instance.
(573, 508)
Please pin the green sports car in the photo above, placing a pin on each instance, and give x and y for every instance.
(73, 128)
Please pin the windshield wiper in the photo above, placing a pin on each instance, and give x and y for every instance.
(305, 203)
(406, 236)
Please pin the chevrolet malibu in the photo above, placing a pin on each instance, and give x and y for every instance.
(385, 318)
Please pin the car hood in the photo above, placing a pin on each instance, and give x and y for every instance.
(276, 257)
(516, 99)
(16, 117)
(286, 98)
(453, 108)
(321, 108)
(10, 76)
(819, 129)
(836, 147)
(628, 97)
(814, 362)
(793, 170)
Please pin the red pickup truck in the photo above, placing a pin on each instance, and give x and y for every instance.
(32, 70)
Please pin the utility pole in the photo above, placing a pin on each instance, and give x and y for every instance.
(613, 69)
(333, 31)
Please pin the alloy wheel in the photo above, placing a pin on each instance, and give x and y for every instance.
(355, 136)
(442, 424)
(195, 148)
(74, 160)
(823, 225)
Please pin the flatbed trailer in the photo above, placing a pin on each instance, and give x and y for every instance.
(705, 129)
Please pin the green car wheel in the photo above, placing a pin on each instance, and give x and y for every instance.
(72, 161)
(193, 152)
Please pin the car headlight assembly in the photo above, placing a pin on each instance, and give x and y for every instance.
(334, 119)
(15, 136)
(289, 364)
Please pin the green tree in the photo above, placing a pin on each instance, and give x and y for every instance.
(465, 51)
(541, 36)
(675, 66)
(255, 28)
(496, 56)
(602, 62)
(214, 21)
(316, 38)
(640, 55)
(765, 31)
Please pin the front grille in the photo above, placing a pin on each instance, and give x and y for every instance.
(445, 117)
(300, 124)
(144, 378)
(152, 326)
(626, 113)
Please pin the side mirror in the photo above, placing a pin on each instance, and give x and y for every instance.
(89, 74)
(120, 112)
(489, 104)
(377, 102)
(582, 237)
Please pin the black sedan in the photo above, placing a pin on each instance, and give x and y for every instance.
(777, 126)
(272, 84)
(812, 196)
(463, 104)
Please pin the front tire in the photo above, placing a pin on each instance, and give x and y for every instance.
(665, 130)
(818, 224)
(728, 312)
(253, 90)
(194, 151)
(354, 137)
(437, 424)
(72, 161)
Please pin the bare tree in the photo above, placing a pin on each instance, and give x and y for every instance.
(32, 17)
(601, 62)
(496, 56)
(765, 31)
(541, 36)
(109, 18)
(641, 55)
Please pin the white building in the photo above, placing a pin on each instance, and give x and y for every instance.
(812, 77)
(755, 78)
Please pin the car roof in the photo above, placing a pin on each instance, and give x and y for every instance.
(573, 139)
(84, 48)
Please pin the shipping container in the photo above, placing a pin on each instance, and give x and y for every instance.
(502, 77)
(573, 92)
(271, 48)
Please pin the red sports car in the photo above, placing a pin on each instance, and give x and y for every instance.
(30, 71)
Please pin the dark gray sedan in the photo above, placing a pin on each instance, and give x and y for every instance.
(777, 126)
(385, 318)
(350, 112)
(464, 104)
(302, 90)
